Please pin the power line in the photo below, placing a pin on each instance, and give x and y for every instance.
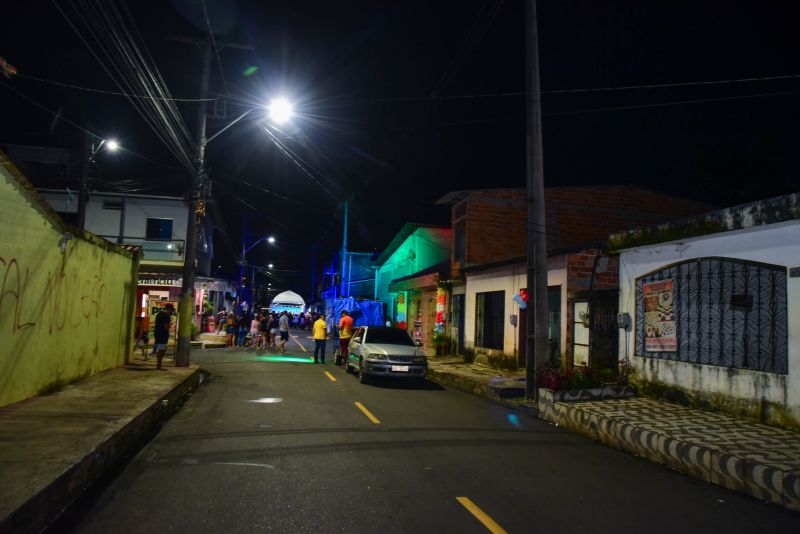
(60, 116)
(675, 103)
(586, 90)
(113, 93)
(214, 45)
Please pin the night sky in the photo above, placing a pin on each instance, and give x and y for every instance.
(400, 102)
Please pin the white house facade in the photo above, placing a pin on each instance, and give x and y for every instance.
(714, 320)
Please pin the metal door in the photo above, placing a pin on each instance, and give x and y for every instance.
(603, 332)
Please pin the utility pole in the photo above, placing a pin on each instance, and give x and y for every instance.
(313, 297)
(536, 318)
(342, 281)
(197, 200)
(197, 204)
(83, 191)
(243, 264)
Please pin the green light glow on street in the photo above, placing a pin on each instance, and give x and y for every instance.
(249, 71)
(295, 359)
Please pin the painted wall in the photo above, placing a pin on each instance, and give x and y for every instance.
(511, 279)
(422, 249)
(66, 306)
(771, 397)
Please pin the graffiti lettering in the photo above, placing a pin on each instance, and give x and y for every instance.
(68, 298)
(14, 289)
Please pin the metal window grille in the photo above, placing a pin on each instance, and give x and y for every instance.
(728, 312)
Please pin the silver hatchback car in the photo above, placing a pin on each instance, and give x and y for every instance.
(385, 351)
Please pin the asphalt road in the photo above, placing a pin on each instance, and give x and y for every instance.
(280, 446)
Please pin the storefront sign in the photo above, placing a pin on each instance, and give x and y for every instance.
(155, 280)
(659, 317)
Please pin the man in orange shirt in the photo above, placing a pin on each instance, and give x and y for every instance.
(345, 333)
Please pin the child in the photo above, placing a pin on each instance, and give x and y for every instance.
(141, 336)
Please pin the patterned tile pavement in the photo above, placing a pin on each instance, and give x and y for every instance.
(750, 458)
(756, 442)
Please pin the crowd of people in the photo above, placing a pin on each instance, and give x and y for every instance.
(271, 330)
(262, 330)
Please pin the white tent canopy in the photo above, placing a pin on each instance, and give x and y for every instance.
(288, 301)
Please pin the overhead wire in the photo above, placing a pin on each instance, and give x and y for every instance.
(586, 89)
(115, 35)
(214, 45)
(104, 91)
(296, 160)
(278, 195)
(674, 103)
(60, 116)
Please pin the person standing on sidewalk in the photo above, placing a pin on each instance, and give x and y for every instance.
(320, 330)
(283, 329)
(161, 334)
(345, 333)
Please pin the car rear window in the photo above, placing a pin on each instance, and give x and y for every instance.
(394, 336)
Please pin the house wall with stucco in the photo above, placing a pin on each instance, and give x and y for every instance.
(66, 296)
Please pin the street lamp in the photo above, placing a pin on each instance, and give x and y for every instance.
(270, 266)
(243, 266)
(280, 110)
(83, 195)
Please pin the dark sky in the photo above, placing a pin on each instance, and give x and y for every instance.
(400, 102)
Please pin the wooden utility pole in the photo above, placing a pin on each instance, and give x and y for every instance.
(536, 318)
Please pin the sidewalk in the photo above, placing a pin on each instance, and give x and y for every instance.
(746, 457)
(52, 447)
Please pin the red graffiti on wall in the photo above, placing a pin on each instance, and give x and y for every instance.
(67, 300)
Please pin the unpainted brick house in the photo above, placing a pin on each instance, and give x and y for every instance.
(488, 269)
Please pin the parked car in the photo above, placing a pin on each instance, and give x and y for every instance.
(385, 351)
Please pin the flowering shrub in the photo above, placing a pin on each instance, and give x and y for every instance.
(579, 377)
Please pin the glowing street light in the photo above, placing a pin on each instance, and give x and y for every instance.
(270, 240)
(280, 110)
(112, 145)
(270, 266)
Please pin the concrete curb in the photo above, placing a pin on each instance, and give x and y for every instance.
(478, 387)
(737, 473)
(43, 508)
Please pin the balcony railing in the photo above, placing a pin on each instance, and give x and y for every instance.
(153, 249)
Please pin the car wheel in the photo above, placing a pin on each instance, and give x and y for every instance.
(362, 376)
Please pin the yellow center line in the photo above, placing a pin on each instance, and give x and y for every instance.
(333, 379)
(481, 516)
(368, 413)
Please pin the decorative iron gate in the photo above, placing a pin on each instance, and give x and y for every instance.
(727, 312)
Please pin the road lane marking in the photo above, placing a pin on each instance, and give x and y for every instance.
(481, 516)
(246, 464)
(333, 378)
(294, 338)
(368, 413)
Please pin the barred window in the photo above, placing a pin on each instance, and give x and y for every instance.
(715, 311)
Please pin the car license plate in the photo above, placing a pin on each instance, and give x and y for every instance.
(400, 368)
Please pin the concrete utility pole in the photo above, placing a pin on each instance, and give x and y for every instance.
(536, 319)
(83, 191)
(197, 204)
(342, 282)
(197, 200)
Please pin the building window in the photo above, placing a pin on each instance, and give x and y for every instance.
(715, 311)
(460, 241)
(490, 319)
(159, 228)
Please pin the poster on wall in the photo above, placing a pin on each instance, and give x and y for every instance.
(659, 317)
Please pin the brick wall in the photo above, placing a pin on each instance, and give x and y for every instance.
(495, 225)
(579, 275)
(575, 216)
